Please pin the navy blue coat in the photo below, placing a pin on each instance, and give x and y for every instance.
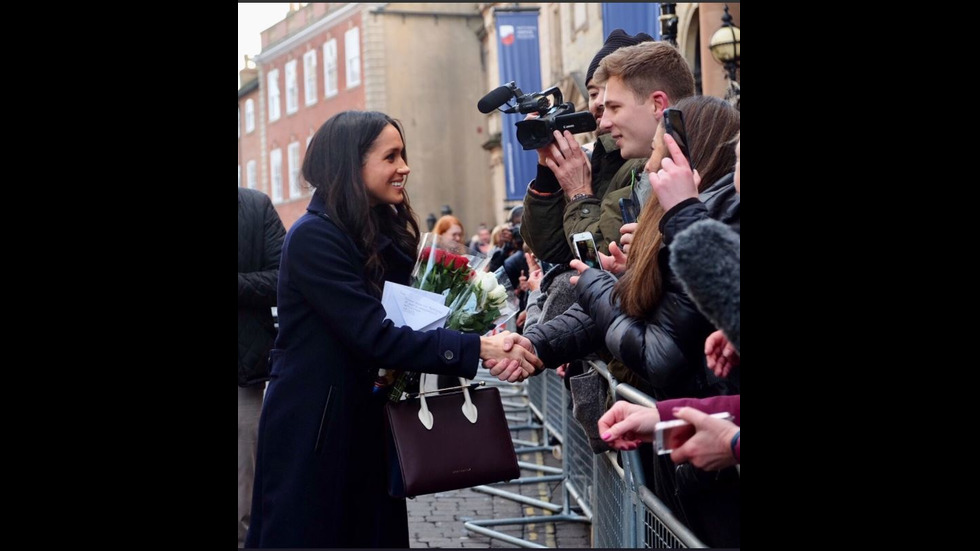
(321, 471)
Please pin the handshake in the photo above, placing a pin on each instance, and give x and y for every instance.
(507, 362)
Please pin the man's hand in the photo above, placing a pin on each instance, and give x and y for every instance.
(568, 162)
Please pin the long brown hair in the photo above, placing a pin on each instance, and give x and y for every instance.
(333, 164)
(711, 124)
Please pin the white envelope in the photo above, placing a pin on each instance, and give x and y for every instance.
(418, 309)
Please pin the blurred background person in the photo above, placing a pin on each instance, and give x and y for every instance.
(449, 227)
(260, 235)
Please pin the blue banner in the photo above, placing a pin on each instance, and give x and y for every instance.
(631, 17)
(519, 60)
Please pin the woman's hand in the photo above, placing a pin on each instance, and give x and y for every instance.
(625, 426)
(674, 182)
(626, 237)
(711, 446)
(507, 362)
(579, 267)
(720, 354)
(615, 262)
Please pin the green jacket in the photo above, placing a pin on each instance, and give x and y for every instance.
(550, 221)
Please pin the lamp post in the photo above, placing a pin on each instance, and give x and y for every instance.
(724, 46)
(668, 23)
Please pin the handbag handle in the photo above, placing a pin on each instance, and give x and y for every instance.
(469, 408)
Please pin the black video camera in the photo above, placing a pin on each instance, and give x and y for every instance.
(554, 114)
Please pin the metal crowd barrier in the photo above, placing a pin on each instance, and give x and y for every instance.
(623, 512)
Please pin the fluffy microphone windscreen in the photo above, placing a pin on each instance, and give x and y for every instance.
(707, 258)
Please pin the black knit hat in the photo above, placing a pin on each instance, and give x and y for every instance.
(616, 40)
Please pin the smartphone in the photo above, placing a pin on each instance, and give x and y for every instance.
(668, 435)
(628, 208)
(585, 249)
(674, 125)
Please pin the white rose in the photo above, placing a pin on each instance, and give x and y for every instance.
(498, 296)
(487, 283)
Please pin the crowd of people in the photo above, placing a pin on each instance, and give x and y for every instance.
(657, 311)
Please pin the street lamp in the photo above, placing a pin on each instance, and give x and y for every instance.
(668, 22)
(724, 46)
(431, 221)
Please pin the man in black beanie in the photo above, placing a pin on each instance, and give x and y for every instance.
(568, 200)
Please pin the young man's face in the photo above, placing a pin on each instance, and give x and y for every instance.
(632, 124)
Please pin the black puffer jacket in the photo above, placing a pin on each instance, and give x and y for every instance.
(666, 348)
(260, 235)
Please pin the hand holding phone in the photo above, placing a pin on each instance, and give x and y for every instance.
(668, 435)
(674, 125)
(585, 249)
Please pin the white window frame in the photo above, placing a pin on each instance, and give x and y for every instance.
(249, 116)
(309, 76)
(330, 68)
(352, 55)
(579, 16)
(275, 174)
(292, 88)
(293, 160)
(274, 108)
(250, 177)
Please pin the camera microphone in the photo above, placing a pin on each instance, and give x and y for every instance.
(496, 98)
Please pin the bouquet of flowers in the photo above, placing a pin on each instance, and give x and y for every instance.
(476, 302)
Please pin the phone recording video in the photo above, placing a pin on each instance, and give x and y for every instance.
(585, 249)
(674, 125)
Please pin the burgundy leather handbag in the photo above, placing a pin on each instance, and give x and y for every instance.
(447, 440)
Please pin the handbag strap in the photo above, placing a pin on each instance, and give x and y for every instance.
(425, 416)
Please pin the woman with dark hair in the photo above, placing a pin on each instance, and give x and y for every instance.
(321, 474)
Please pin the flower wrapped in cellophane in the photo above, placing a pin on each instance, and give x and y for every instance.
(476, 302)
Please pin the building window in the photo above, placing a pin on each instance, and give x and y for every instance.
(292, 91)
(239, 130)
(578, 16)
(239, 175)
(274, 95)
(294, 190)
(275, 161)
(309, 76)
(352, 52)
(330, 67)
(249, 115)
(250, 174)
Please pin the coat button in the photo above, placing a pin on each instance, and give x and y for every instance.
(585, 211)
(448, 354)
